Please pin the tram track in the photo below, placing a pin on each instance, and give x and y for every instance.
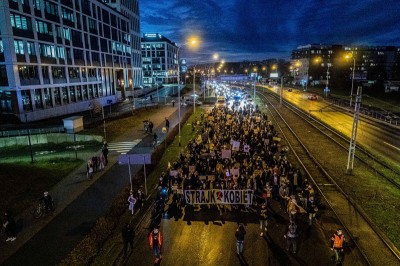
(302, 133)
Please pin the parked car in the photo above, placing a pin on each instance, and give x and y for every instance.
(189, 101)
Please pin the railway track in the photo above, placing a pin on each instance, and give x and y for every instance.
(323, 155)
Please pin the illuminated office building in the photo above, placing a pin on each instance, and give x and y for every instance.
(159, 56)
(59, 57)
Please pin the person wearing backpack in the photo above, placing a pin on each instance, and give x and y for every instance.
(291, 237)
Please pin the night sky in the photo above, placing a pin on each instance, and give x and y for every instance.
(241, 30)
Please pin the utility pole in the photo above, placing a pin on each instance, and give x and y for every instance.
(352, 148)
(194, 89)
(352, 81)
(281, 92)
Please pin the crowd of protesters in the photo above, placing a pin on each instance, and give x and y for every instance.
(262, 164)
(257, 161)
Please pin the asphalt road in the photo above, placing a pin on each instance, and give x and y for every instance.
(207, 237)
(378, 137)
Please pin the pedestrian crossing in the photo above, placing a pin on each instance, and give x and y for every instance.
(123, 147)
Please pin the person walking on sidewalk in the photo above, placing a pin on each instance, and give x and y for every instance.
(167, 124)
(262, 216)
(104, 150)
(240, 233)
(10, 226)
(155, 138)
(89, 169)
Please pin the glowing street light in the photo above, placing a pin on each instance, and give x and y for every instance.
(348, 56)
(319, 60)
(192, 42)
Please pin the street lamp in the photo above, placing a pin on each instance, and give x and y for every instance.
(254, 84)
(215, 57)
(351, 55)
(194, 89)
(192, 41)
(319, 60)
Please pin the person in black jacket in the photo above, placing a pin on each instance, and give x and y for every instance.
(240, 233)
(10, 226)
(263, 218)
(127, 236)
(104, 150)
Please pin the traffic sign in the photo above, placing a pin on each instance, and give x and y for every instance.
(135, 158)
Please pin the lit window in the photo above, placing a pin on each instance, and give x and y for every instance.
(31, 48)
(67, 33)
(67, 14)
(19, 46)
(36, 4)
(19, 22)
(61, 52)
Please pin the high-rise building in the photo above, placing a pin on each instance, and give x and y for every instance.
(160, 60)
(59, 57)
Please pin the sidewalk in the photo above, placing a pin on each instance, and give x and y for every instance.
(79, 202)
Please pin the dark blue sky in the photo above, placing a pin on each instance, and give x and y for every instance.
(259, 29)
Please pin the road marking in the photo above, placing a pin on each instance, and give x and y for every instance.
(394, 147)
(123, 147)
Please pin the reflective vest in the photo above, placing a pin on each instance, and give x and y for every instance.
(155, 239)
(338, 241)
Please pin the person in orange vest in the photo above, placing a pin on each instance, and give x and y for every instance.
(337, 242)
(155, 240)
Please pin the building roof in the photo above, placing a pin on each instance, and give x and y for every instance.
(156, 37)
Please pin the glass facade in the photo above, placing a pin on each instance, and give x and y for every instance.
(80, 45)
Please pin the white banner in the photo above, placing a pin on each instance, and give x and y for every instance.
(218, 196)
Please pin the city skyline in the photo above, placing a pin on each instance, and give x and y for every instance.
(255, 30)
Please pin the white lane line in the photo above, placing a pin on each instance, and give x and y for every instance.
(394, 147)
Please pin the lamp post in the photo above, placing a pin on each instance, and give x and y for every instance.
(179, 98)
(308, 68)
(193, 41)
(319, 60)
(194, 89)
(352, 79)
(254, 84)
(327, 79)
